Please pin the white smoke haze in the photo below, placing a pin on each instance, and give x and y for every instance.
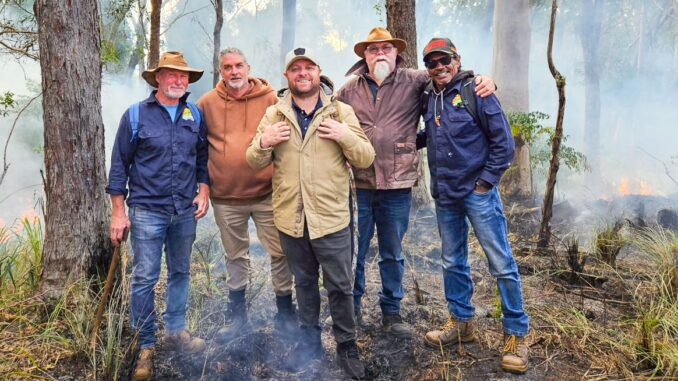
(638, 106)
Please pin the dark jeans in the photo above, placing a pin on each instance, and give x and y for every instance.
(390, 211)
(332, 253)
(151, 231)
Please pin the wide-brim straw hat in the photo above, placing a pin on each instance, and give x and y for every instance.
(172, 60)
(379, 35)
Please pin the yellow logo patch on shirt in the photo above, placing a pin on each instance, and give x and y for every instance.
(456, 101)
(187, 115)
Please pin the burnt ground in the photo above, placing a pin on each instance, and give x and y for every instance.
(257, 355)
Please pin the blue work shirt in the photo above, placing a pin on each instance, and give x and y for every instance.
(459, 151)
(164, 163)
(305, 119)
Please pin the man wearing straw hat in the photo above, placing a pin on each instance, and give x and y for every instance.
(386, 98)
(160, 155)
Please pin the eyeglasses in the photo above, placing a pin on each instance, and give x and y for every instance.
(444, 60)
(373, 49)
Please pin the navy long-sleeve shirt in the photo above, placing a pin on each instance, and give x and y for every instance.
(459, 151)
(165, 162)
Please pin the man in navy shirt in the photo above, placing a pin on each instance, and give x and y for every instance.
(161, 155)
(466, 161)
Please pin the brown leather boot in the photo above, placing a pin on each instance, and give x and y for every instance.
(515, 354)
(185, 342)
(144, 368)
(453, 332)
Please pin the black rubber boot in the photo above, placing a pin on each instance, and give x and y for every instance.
(237, 314)
(349, 360)
(285, 320)
(308, 348)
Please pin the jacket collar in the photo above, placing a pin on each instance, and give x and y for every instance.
(360, 67)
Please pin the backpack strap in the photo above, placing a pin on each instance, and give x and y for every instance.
(468, 98)
(195, 111)
(133, 115)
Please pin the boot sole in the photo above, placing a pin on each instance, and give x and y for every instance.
(514, 369)
(437, 344)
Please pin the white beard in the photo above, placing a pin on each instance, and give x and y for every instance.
(381, 71)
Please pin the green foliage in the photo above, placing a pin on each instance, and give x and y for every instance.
(21, 257)
(529, 127)
(7, 103)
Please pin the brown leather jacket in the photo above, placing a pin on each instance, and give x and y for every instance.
(390, 123)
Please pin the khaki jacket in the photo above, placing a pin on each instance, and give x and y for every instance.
(310, 178)
(390, 123)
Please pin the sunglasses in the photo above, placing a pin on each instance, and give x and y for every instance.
(444, 60)
(372, 49)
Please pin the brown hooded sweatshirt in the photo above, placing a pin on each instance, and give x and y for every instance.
(231, 125)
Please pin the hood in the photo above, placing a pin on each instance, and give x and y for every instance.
(258, 87)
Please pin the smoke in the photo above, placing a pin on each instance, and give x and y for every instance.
(638, 96)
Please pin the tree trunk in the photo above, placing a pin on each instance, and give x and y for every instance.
(510, 68)
(402, 23)
(216, 65)
(288, 32)
(590, 39)
(77, 209)
(154, 45)
(137, 57)
(547, 209)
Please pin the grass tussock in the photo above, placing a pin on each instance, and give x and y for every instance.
(608, 242)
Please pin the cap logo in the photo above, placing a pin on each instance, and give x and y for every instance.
(299, 51)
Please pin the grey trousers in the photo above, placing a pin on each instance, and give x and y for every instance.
(331, 253)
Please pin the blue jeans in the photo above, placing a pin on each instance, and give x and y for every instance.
(151, 230)
(486, 214)
(390, 211)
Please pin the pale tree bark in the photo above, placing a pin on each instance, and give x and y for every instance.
(77, 209)
(589, 31)
(547, 208)
(154, 44)
(289, 22)
(510, 68)
(218, 24)
(401, 21)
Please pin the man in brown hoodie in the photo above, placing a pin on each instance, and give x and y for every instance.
(233, 110)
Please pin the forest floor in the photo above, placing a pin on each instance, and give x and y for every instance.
(582, 327)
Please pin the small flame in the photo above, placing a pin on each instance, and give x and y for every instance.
(634, 187)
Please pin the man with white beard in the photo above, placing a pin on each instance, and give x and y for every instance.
(386, 98)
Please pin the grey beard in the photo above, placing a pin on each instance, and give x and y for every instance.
(381, 71)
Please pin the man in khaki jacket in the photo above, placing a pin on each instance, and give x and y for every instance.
(310, 137)
(233, 110)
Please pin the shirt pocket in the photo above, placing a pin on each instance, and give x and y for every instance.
(189, 137)
(459, 123)
(151, 139)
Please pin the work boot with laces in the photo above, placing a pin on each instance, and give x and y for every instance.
(185, 342)
(453, 332)
(349, 360)
(144, 369)
(394, 325)
(515, 354)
